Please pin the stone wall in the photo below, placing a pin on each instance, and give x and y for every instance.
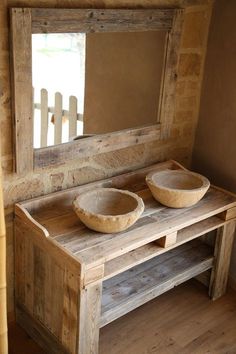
(178, 146)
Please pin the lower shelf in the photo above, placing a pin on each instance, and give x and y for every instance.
(140, 284)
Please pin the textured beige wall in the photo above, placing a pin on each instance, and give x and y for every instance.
(178, 146)
(122, 80)
(215, 147)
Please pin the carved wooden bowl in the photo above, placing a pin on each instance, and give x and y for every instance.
(177, 188)
(108, 210)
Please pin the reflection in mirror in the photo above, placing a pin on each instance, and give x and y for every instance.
(96, 83)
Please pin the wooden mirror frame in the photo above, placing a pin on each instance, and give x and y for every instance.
(27, 21)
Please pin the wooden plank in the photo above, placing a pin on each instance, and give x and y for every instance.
(93, 145)
(20, 266)
(129, 294)
(28, 257)
(70, 311)
(21, 61)
(129, 273)
(167, 102)
(48, 245)
(72, 116)
(39, 332)
(39, 284)
(50, 282)
(170, 219)
(65, 112)
(168, 240)
(44, 118)
(204, 278)
(54, 290)
(25, 216)
(58, 119)
(93, 275)
(151, 250)
(228, 214)
(62, 224)
(89, 318)
(104, 20)
(223, 249)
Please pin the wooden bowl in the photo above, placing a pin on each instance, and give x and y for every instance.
(177, 188)
(108, 210)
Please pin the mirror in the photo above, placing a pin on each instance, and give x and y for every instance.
(95, 83)
(123, 105)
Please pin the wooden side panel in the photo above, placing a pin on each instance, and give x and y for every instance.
(21, 59)
(29, 274)
(223, 248)
(20, 267)
(89, 319)
(47, 288)
(39, 284)
(38, 332)
(70, 311)
(52, 295)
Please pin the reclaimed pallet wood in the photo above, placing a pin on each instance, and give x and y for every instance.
(137, 256)
(148, 280)
(70, 280)
(100, 20)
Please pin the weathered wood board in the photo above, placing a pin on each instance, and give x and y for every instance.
(71, 280)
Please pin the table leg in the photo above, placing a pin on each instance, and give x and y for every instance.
(223, 248)
(89, 319)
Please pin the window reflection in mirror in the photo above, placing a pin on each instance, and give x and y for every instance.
(58, 68)
(96, 83)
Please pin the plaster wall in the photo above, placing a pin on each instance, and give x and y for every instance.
(178, 146)
(215, 146)
(122, 80)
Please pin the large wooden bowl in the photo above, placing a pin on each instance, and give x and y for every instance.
(108, 210)
(177, 188)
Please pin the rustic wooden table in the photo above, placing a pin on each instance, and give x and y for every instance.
(71, 281)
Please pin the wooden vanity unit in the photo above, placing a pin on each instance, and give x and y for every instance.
(71, 281)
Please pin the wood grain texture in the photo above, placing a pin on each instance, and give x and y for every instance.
(89, 318)
(104, 20)
(170, 324)
(70, 311)
(167, 106)
(87, 20)
(168, 240)
(229, 214)
(38, 332)
(93, 249)
(69, 263)
(155, 227)
(3, 280)
(21, 59)
(58, 154)
(223, 249)
(133, 288)
(151, 250)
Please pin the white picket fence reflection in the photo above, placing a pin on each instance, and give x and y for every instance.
(55, 124)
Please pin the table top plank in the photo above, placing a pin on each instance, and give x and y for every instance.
(56, 215)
